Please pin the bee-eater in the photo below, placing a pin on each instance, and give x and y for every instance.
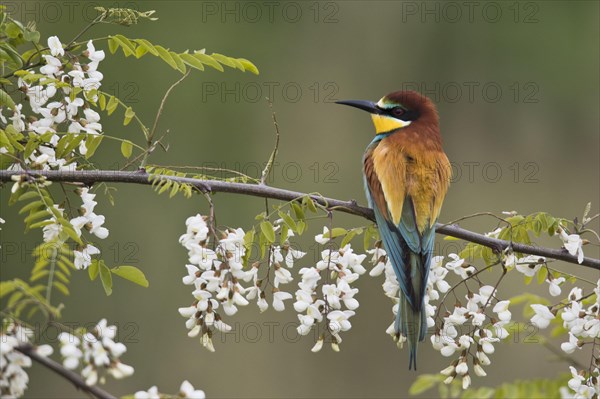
(406, 176)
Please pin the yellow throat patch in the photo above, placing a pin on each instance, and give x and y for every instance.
(384, 124)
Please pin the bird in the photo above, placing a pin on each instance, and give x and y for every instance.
(406, 176)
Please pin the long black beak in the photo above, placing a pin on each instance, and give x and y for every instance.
(368, 106)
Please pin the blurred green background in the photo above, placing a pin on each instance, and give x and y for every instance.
(517, 88)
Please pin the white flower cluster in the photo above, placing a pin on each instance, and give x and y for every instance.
(186, 391)
(583, 326)
(97, 352)
(92, 223)
(54, 107)
(529, 266)
(217, 276)
(88, 220)
(13, 377)
(582, 387)
(484, 330)
(325, 292)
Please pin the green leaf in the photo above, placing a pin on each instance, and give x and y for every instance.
(74, 142)
(105, 277)
(102, 101)
(62, 144)
(192, 61)
(140, 52)
(132, 274)
(283, 234)
(309, 203)
(92, 143)
(166, 56)
(113, 45)
(16, 62)
(298, 211)
(208, 60)
(542, 275)
(32, 144)
(37, 215)
(72, 234)
(6, 287)
(61, 276)
(43, 223)
(6, 100)
(31, 36)
(61, 287)
(367, 239)
(223, 59)
(28, 195)
(248, 66)
(267, 229)
(126, 45)
(287, 219)
(13, 30)
(46, 137)
(32, 206)
(5, 142)
(63, 266)
(335, 232)
(146, 45)
(126, 148)
(488, 256)
(180, 64)
(174, 189)
(93, 269)
(129, 114)
(351, 234)
(166, 184)
(424, 382)
(112, 105)
(301, 226)
(14, 298)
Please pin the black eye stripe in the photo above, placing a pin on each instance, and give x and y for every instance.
(402, 113)
(398, 111)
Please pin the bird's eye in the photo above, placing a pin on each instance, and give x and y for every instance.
(398, 111)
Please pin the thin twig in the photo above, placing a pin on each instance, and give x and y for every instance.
(269, 165)
(150, 138)
(140, 177)
(75, 378)
(562, 356)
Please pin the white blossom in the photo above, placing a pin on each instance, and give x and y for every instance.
(582, 388)
(92, 54)
(151, 393)
(554, 287)
(13, 377)
(278, 298)
(53, 66)
(188, 391)
(569, 347)
(324, 237)
(572, 243)
(56, 47)
(543, 316)
(95, 352)
(530, 265)
(83, 258)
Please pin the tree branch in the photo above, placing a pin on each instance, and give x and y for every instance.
(90, 177)
(75, 378)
